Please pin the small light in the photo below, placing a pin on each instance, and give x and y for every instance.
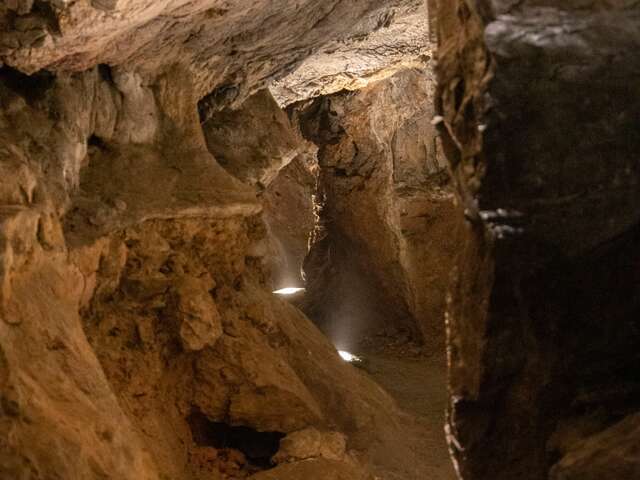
(288, 291)
(349, 357)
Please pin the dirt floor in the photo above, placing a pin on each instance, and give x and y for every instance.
(418, 383)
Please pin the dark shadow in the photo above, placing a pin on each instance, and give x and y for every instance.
(258, 447)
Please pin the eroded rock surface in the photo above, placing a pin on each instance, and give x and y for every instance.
(231, 46)
(386, 237)
(257, 143)
(137, 326)
(290, 215)
(399, 40)
(539, 106)
(311, 443)
(253, 142)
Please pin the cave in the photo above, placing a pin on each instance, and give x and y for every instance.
(319, 239)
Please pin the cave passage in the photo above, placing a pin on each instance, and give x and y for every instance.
(320, 239)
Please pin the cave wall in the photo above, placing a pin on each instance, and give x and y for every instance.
(290, 216)
(257, 144)
(125, 312)
(386, 239)
(136, 316)
(540, 109)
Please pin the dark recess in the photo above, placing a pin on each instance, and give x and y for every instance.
(31, 87)
(258, 447)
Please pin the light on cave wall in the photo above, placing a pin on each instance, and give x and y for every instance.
(288, 291)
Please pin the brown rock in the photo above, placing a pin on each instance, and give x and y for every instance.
(315, 469)
(200, 320)
(613, 454)
(387, 234)
(535, 335)
(311, 443)
(253, 142)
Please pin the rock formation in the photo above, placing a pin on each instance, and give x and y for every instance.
(166, 164)
(139, 338)
(540, 108)
(257, 144)
(387, 235)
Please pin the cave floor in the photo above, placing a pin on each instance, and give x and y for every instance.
(418, 384)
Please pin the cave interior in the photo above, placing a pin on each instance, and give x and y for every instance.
(319, 239)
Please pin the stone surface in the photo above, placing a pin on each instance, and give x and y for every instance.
(399, 41)
(200, 322)
(230, 46)
(384, 247)
(135, 305)
(253, 142)
(137, 325)
(315, 469)
(289, 213)
(538, 107)
(311, 443)
(613, 453)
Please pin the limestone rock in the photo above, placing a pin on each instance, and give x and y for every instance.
(119, 241)
(255, 141)
(230, 47)
(533, 96)
(290, 216)
(315, 469)
(311, 443)
(386, 236)
(612, 454)
(398, 41)
(200, 320)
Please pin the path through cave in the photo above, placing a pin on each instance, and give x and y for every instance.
(353, 215)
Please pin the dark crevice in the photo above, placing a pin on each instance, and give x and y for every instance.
(258, 447)
(218, 99)
(105, 72)
(31, 87)
(46, 11)
(96, 141)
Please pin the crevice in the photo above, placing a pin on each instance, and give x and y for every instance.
(258, 447)
(32, 88)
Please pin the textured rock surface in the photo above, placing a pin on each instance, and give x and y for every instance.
(315, 469)
(253, 142)
(311, 443)
(399, 41)
(612, 453)
(135, 306)
(289, 212)
(230, 45)
(387, 233)
(540, 107)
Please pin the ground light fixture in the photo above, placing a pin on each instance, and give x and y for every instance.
(288, 290)
(349, 357)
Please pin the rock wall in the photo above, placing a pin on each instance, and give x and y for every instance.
(540, 108)
(289, 213)
(399, 40)
(257, 144)
(387, 234)
(253, 142)
(135, 306)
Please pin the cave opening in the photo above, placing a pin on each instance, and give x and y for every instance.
(257, 447)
